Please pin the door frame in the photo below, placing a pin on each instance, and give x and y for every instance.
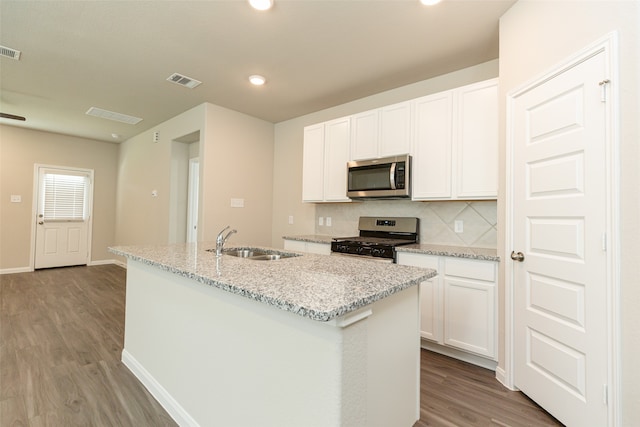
(34, 209)
(609, 46)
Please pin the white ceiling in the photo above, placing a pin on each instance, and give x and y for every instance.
(315, 54)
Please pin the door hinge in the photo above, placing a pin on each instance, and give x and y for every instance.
(603, 89)
(605, 394)
(604, 241)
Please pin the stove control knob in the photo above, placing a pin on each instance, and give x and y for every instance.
(379, 252)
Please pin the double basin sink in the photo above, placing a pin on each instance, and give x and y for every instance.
(257, 254)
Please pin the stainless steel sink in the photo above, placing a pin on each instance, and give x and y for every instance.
(257, 254)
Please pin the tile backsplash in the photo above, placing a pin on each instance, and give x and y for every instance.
(437, 219)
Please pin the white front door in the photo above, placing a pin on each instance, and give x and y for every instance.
(63, 216)
(559, 229)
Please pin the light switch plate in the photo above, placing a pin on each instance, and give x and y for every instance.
(328, 221)
(16, 198)
(237, 203)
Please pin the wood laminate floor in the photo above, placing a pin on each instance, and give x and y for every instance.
(61, 338)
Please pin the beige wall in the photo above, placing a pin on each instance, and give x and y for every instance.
(237, 158)
(20, 149)
(534, 37)
(145, 166)
(236, 161)
(287, 181)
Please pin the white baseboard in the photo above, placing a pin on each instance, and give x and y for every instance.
(91, 263)
(175, 410)
(501, 376)
(483, 362)
(108, 261)
(16, 270)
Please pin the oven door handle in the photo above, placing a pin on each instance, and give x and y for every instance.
(392, 175)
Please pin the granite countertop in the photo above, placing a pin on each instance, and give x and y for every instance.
(319, 287)
(487, 254)
(313, 238)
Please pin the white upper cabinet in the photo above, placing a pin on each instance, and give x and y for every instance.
(477, 141)
(395, 130)
(381, 132)
(364, 135)
(431, 162)
(456, 144)
(313, 164)
(324, 165)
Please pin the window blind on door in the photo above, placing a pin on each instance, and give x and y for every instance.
(64, 197)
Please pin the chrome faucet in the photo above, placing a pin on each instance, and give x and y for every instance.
(220, 240)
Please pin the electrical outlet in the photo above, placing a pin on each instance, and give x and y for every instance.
(458, 226)
(290, 219)
(328, 221)
(237, 203)
(16, 198)
(321, 221)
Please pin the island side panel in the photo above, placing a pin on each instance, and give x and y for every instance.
(221, 359)
(393, 349)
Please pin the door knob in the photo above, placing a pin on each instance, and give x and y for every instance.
(40, 222)
(519, 256)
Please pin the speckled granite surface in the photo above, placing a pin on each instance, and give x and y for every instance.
(318, 287)
(452, 251)
(487, 254)
(313, 238)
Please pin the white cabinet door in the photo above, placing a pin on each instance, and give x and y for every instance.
(470, 305)
(455, 148)
(430, 295)
(477, 141)
(313, 164)
(364, 135)
(395, 130)
(324, 162)
(382, 132)
(431, 168)
(337, 136)
(469, 315)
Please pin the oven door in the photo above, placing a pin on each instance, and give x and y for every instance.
(379, 178)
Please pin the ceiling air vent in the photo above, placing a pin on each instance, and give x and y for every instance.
(110, 115)
(10, 53)
(181, 80)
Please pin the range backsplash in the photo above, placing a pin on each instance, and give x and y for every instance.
(437, 220)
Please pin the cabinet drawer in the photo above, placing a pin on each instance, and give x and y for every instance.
(471, 269)
(418, 260)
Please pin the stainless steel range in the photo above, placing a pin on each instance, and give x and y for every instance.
(379, 236)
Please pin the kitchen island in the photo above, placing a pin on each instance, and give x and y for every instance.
(309, 340)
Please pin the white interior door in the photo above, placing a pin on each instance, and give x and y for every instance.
(63, 217)
(559, 235)
(192, 204)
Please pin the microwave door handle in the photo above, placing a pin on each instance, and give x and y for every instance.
(392, 175)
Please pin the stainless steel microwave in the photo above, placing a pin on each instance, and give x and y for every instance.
(386, 178)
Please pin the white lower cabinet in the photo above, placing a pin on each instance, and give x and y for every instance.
(309, 247)
(458, 306)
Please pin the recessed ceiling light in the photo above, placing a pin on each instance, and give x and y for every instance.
(430, 2)
(257, 80)
(261, 4)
